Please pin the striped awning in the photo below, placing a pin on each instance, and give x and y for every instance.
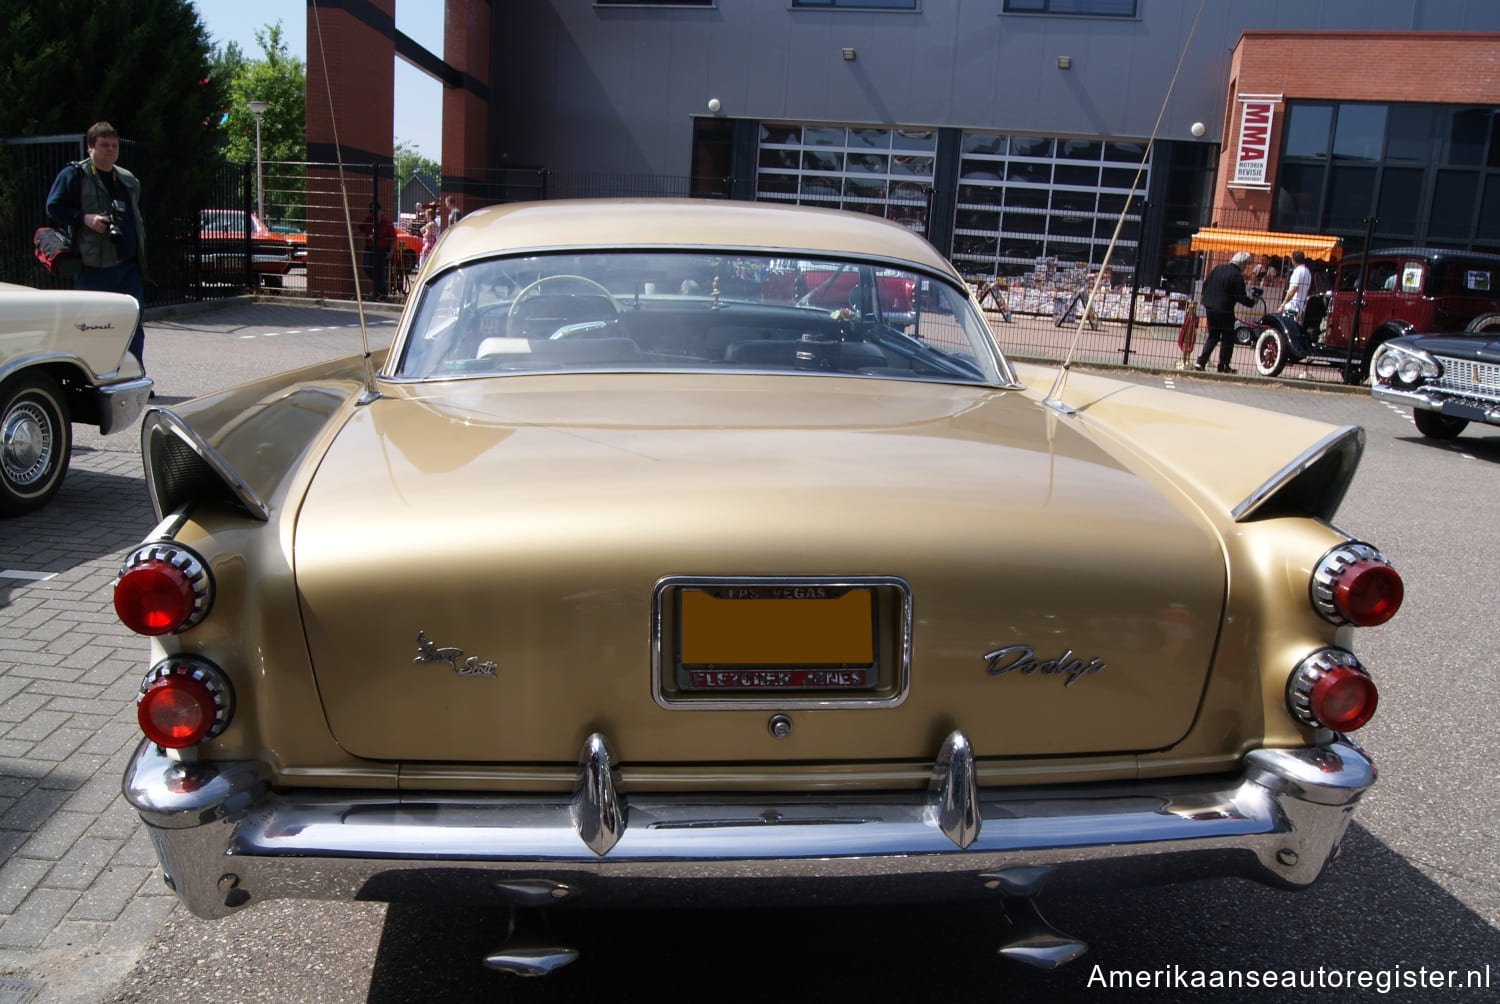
(1315, 246)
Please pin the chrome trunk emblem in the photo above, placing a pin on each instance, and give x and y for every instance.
(1023, 658)
(472, 666)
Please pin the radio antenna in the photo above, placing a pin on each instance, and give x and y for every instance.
(368, 369)
(1054, 396)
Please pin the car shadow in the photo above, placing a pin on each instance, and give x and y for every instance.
(94, 514)
(1478, 446)
(1372, 912)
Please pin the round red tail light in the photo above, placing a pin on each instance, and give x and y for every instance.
(183, 701)
(1331, 690)
(162, 588)
(1368, 592)
(1354, 584)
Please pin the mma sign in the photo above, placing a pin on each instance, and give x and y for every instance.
(1256, 117)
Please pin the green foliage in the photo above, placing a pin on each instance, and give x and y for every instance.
(143, 66)
(280, 80)
(409, 161)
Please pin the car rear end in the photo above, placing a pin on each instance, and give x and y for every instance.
(724, 634)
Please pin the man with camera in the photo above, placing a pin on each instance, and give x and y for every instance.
(99, 203)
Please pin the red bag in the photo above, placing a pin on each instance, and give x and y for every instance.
(55, 251)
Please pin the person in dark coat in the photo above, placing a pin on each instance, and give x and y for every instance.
(1224, 287)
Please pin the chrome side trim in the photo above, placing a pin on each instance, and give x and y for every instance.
(597, 813)
(180, 466)
(221, 826)
(1323, 472)
(953, 794)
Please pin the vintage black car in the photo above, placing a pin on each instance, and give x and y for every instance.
(1403, 291)
(1448, 381)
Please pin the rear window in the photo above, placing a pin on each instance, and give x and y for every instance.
(654, 310)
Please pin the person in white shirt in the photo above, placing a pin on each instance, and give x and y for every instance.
(1297, 287)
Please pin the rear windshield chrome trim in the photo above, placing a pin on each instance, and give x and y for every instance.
(782, 701)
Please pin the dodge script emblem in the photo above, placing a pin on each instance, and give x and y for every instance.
(1022, 659)
(428, 652)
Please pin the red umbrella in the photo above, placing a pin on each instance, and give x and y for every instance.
(1187, 335)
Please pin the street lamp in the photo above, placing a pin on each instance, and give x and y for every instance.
(258, 108)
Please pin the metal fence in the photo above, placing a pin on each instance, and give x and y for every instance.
(172, 196)
(1037, 314)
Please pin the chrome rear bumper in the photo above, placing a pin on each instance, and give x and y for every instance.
(227, 839)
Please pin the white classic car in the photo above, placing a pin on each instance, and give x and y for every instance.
(63, 359)
(641, 571)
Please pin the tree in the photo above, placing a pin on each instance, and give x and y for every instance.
(142, 66)
(409, 162)
(280, 80)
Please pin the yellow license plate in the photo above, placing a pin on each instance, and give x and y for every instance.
(777, 627)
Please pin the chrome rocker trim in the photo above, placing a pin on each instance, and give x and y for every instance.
(226, 838)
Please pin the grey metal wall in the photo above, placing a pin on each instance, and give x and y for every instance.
(582, 87)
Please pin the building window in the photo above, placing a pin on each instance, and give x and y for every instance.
(1427, 173)
(1024, 198)
(881, 171)
(1081, 8)
(859, 4)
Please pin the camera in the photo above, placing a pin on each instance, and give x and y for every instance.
(117, 212)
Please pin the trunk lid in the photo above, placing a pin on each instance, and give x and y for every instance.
(484, 572)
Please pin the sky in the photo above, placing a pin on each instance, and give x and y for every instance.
(419, 98)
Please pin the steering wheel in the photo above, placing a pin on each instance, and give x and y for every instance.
(535, 289)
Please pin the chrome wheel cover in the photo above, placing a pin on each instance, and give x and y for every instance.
(26, 444)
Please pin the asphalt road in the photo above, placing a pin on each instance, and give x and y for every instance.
(1416, 892)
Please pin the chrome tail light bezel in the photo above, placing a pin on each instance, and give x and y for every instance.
(186, 561)
(1303, 682)
(204, 673)
(1326, 574)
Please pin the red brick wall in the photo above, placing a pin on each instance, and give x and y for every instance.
(360, 74)
(1432, 67)
(466, 47)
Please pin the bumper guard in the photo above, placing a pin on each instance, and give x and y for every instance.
(227, 838)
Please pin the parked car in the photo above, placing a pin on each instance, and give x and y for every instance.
(591, 592)
(63, 359)
(1448, 381)
(294, 237)
(1405, 291)
(839, 288)
(221, 235)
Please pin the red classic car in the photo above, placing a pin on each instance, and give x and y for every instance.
(223, 247)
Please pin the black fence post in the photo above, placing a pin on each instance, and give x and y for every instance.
(1359, 300)
(1135, 285)
(250, 275)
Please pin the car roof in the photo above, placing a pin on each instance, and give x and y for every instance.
(682, 223)
(1428, 254)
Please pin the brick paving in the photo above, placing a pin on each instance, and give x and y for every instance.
(81, 893)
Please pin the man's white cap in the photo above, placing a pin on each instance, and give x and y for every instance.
(1240, 257)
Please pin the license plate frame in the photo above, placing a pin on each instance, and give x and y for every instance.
(773, 642)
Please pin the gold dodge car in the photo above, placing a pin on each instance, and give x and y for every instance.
(638, 572)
